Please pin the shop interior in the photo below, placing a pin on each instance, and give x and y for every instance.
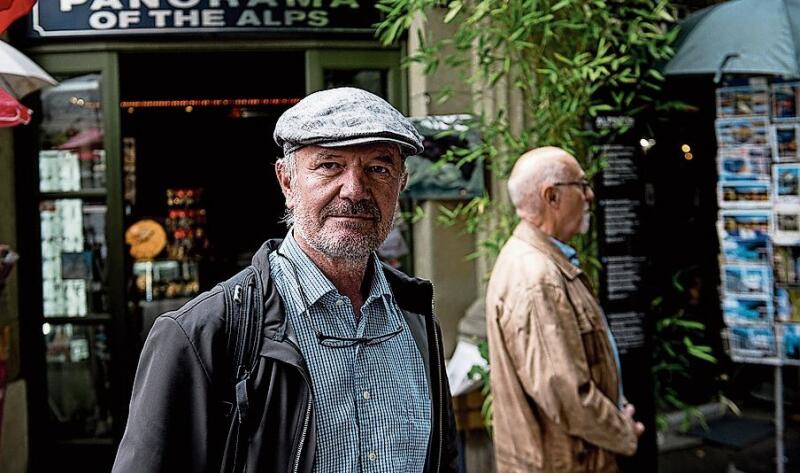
(199, 161)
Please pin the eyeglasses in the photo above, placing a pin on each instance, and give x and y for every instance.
(333, 341)
(584, 183)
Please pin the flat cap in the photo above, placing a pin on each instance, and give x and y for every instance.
(343, 117)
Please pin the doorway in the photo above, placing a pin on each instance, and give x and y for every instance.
(198, 158)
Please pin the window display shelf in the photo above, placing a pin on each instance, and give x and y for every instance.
(87, 441)
(90, 319)
(82, 194)
(771, 361)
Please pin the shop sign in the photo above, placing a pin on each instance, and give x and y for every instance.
(60, 18)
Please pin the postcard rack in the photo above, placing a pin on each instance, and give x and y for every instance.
(758, 191)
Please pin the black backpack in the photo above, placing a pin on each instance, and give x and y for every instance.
(244, 319)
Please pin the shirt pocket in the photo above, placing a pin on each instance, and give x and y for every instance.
(415, 431)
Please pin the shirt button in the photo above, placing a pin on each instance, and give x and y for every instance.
(372, 456)
(339, 302)
(366, 394)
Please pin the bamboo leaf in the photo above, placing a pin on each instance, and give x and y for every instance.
(455, 7)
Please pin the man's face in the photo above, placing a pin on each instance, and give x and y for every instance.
(343, 199)
(573, 211)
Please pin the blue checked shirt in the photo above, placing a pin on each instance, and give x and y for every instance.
(372, 403)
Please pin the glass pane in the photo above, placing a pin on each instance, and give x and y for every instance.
(373, 80)
(74, 253)
(71, 156)
(78, 380)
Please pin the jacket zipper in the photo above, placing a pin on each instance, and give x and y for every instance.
(307, 419)
(303, 436)
(441, 390)
(240, 346)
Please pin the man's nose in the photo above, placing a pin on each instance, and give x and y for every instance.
(353, 185)
(589, 194)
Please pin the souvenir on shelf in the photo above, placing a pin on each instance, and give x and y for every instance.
(787, 265)
(752, 341)
(747, 309)
(186, 223)
(746, 131)
(784, 142)
(786, 225)
(786, 183)
(787, 300)
(744, 194)
(742, 101)
(747, 279)
(784, 101)
(744, 224)
(791, 341)
(744, 163)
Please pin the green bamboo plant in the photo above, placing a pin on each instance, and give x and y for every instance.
(566, 61)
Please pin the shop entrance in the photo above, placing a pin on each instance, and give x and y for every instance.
(178, 136)
(198, 159)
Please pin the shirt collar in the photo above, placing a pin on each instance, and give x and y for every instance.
(316, 285)
(569, 252)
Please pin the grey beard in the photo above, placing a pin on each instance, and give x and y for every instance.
(349, 247)
(586, 223)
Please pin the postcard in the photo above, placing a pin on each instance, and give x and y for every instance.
(791, 341)
(750, 251)
(746, 279)
(744, 163)
(747, 309)
(787, 300)
(744, 224)
(784, 101)
(786, 224)
(742, 101)
(786, 261)
(784, 142)
(752, 341)
(744, 194)
(742, 131)
(786, 182)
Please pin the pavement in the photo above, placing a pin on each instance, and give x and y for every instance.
(682, 453)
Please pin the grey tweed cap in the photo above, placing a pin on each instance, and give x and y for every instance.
(343, 117)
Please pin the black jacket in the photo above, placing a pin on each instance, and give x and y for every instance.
(182, 401)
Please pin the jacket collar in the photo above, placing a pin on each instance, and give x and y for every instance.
(541, 241)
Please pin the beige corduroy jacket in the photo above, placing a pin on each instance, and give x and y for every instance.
(554, 379)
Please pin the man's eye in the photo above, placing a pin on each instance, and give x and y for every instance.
(328, 165)
(379, 170)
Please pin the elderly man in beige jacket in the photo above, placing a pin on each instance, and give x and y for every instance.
(558, 404)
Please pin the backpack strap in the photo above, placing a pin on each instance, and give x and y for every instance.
(244, 319)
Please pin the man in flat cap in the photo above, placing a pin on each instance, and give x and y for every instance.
(350, 375)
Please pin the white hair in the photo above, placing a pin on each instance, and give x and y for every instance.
(287, 162)
(525, 185)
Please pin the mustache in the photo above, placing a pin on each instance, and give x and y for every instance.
(347, 208)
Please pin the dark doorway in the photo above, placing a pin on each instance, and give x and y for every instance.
(224, 148)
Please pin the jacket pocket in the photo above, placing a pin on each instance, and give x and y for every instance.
(594, 341)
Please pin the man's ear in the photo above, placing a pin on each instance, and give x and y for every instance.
(285, 182)
(551, 195)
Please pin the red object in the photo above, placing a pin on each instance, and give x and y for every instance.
(12, 113)
(10, 10)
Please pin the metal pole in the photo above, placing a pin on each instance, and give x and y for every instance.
(779, 457)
